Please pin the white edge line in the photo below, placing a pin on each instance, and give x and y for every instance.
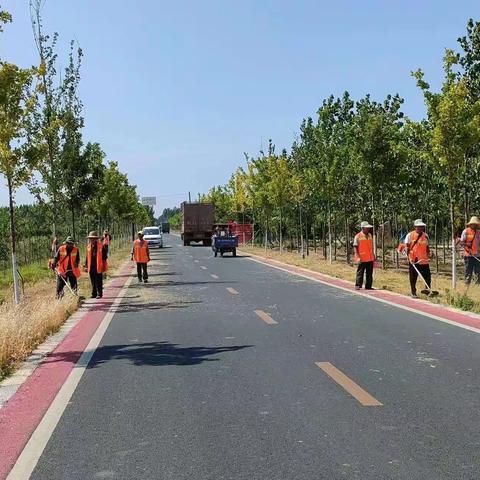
(403, 307)
(28, 459)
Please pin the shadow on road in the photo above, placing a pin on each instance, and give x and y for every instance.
(151, 353)
(144, 306)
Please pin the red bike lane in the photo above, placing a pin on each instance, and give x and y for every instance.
(20, 416)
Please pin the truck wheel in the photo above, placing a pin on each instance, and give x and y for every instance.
(234, 252)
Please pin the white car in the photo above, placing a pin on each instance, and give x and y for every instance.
(153, 236)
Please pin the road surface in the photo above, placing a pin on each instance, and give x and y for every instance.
(230, 369)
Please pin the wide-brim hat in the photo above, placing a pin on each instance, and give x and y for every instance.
(474, 221)
(69, 240)
(140, 233)
(419, 223)
(366, 225)
(93, 234)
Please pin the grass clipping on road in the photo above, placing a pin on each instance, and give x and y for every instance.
(391, 279)
(24, 327)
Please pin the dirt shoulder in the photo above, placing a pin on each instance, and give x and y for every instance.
(24, 327)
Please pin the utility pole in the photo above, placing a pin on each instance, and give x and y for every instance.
(189, 198)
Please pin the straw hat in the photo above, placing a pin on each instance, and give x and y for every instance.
(366, 225)
(140, 232)
(69, 239)
(474, 220)
(419, 223)
(93, 234)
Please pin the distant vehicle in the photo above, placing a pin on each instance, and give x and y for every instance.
(197, 223)
(165, 227)
(153, 236)
(223, 240)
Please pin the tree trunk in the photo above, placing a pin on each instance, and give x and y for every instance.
(306, 237)
(436, 245)
(16, 282)
(314, 239)
(454, 256)
(302, 250)
(347, 240)
(73, 222)
(280, 233)
(329, 236)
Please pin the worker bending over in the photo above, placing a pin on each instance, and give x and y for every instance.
(65, 263)
(96, 263)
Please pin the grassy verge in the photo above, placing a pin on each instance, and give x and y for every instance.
(393, 280)
(24, 327)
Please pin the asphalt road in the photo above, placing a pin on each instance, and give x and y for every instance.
(189, 382)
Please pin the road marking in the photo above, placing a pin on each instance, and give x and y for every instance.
(308, 276)
(232, 291)
(266, 317)
(202, 267)
(214, 276)
(197, 261)
(28, 459)
(349, 385)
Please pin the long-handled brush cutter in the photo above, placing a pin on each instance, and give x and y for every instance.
(427, 290)
(57, 275)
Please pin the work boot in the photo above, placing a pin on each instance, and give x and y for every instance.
(145, 281)
(413, 295)
(357, 287)
(140, 280)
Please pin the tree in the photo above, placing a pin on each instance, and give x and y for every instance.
(75, 170)
(455, 120)
(17, 102)
(48, 123)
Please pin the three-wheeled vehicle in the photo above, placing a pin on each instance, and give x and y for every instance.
(223, 240)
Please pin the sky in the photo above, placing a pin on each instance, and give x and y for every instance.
(176, 92)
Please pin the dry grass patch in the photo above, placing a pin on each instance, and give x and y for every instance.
(392, 279)
(24, 327)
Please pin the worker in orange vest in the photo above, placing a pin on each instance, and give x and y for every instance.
(96, 263)
(364, 256)
(470, 240)
(418, 253)
(106, 241)
(141, 255)
(65, 263)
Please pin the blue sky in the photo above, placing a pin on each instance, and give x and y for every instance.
(177, 91)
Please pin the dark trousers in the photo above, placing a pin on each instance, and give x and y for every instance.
(96, 279)
(472, 266)
(70, 278)
(367, 269)
(424, 271)
(142, 271)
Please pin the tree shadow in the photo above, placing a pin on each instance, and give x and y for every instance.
(151, 353)
(144, 306)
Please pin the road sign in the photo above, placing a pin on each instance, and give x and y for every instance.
(149, 201)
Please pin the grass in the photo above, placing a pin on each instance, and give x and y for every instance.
(392, 279)
(24, 327)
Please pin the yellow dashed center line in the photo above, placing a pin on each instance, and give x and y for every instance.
(214, 276)
(203, 267)
(197, 261)
(232, 291)
(349, 385)
(266, 317)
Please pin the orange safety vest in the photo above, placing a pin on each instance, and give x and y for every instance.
(101, 265)
(62, 264)
(364, 248)
(140, 251)
(471, 242)
(418, 247)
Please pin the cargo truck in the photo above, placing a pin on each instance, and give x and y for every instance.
(197, 222)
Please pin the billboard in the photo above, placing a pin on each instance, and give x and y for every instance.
(149, 201)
